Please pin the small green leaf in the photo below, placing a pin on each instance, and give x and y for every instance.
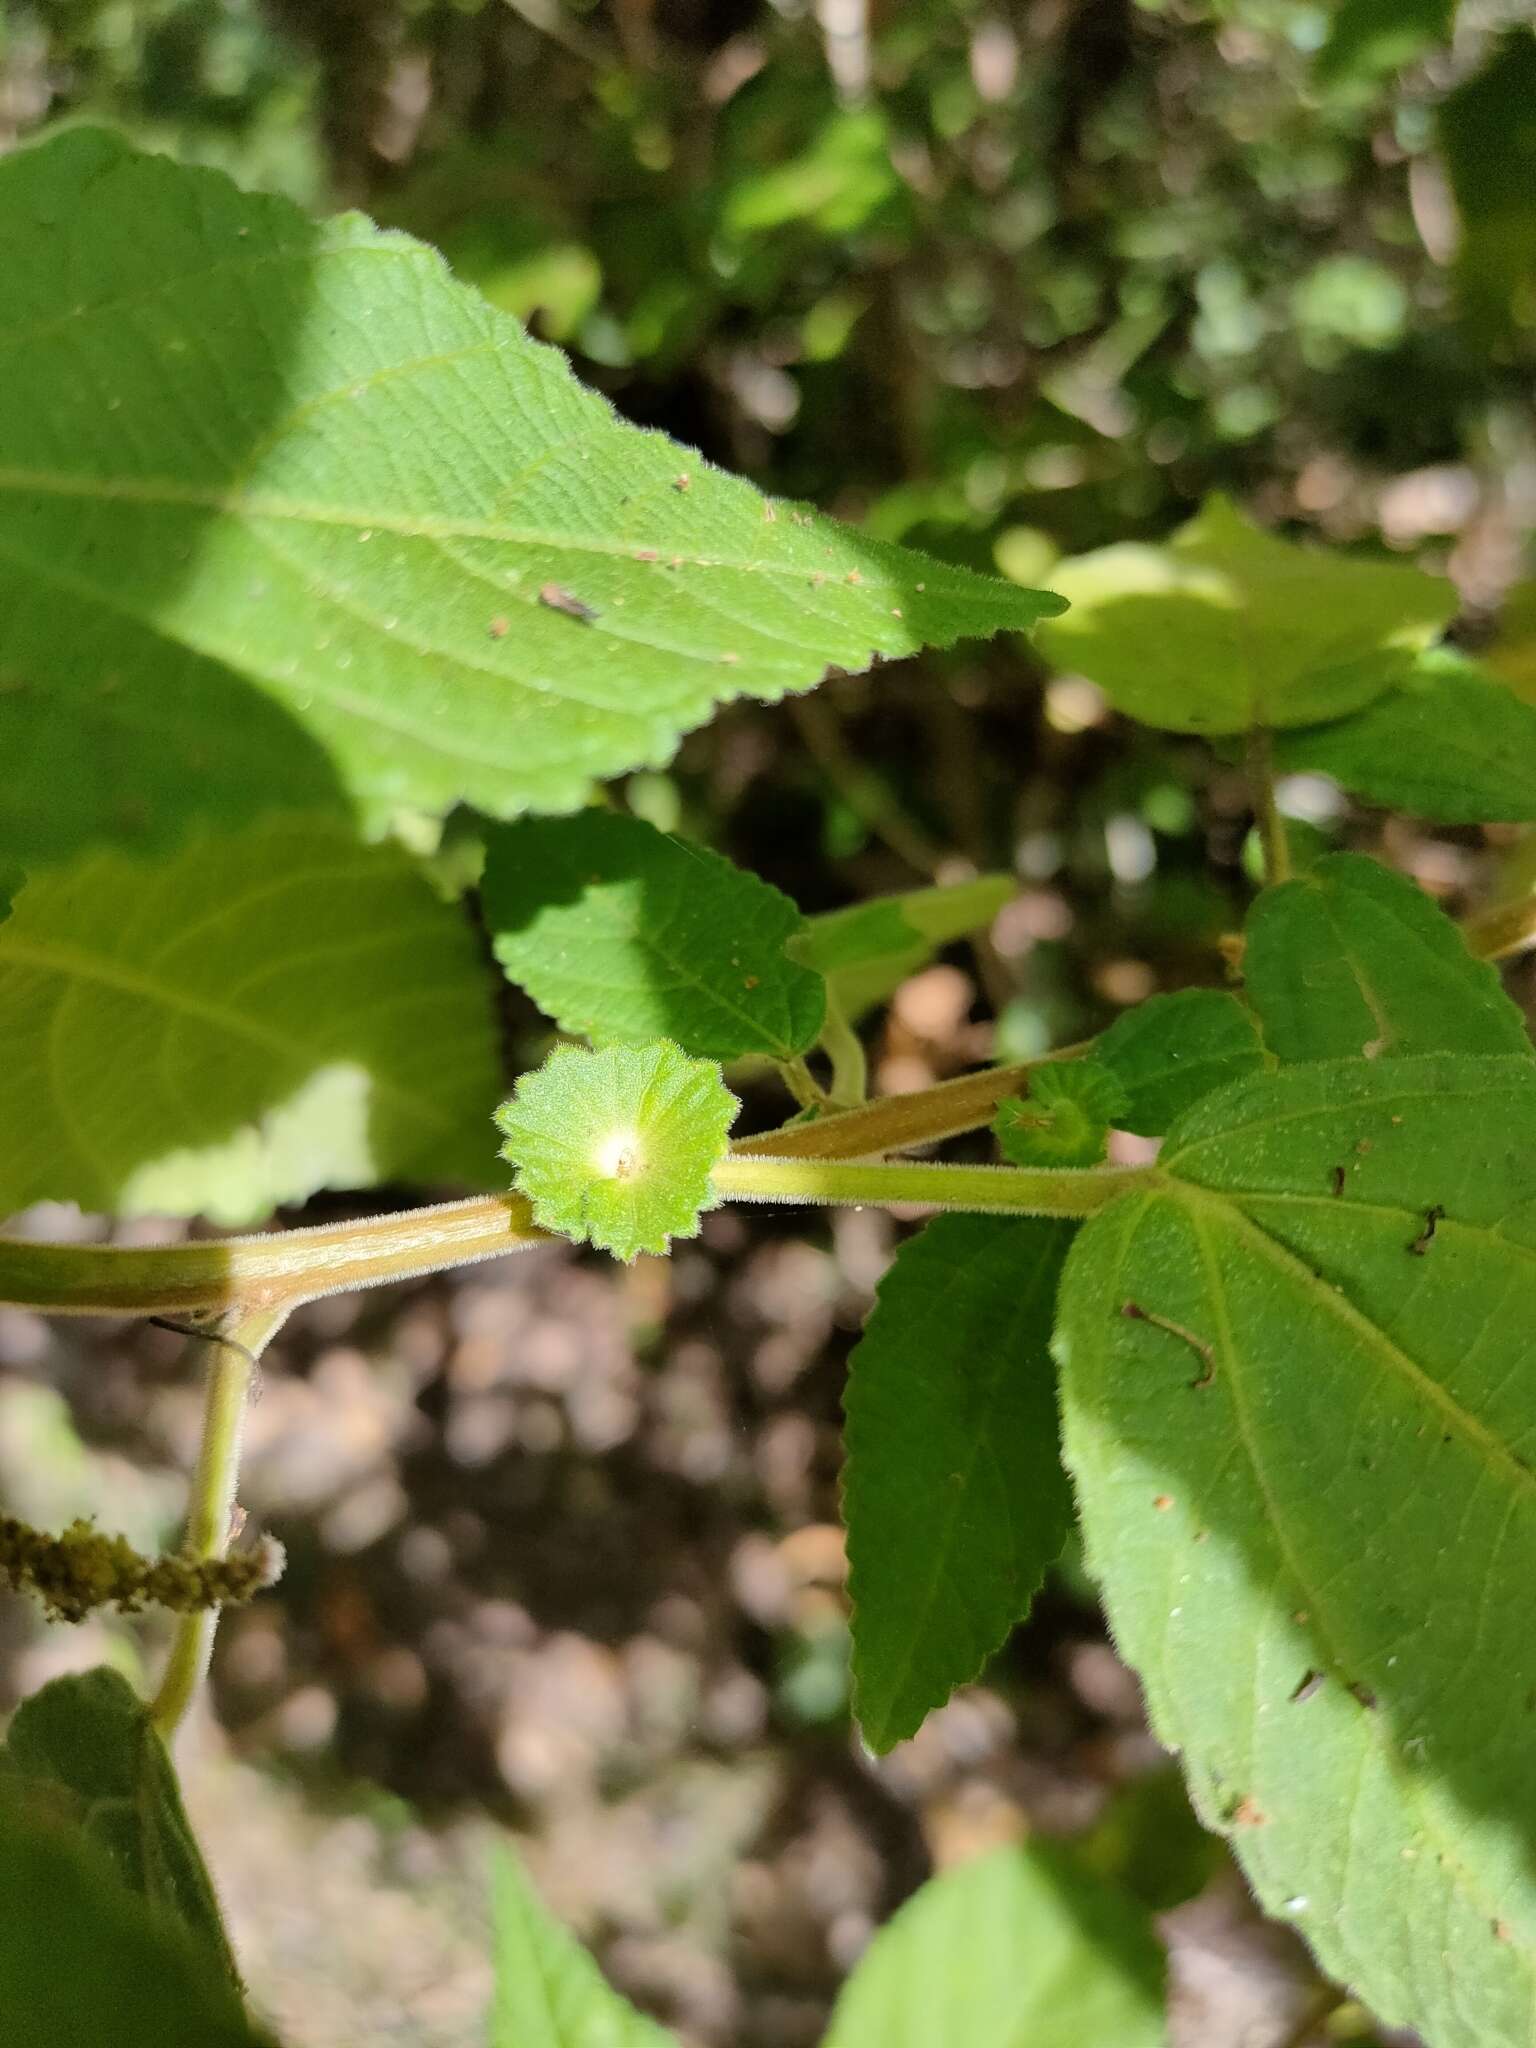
(621, 932)
(869, 949)
(1019, 1949)
(1298, 1389)
(1454, 743)
(1227, 627)
(616, 1147)
(84, 1750)
(1170, 1050)
(549, 1992)
(953, 1491)
(1067, 1117)
(292, 519)
(1353, 959)
(268, 1012)
(85, 1960)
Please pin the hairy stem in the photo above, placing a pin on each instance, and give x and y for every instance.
(845, 1049)
(1261, 782)
(1002, 1190)
(234, 1345)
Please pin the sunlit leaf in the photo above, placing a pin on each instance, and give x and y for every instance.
(616, 1147)
(867, 951)
(1299, 1393)
(953, 1493)
(1019, 1949)
(619, 931)
(291, 518)
(268, 1012)
(1228, 627)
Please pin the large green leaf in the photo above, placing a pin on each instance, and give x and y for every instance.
(1299, 1393)
(953, 1493)
(83, 1750)
(1019, 1949)
(86, 1960)
(619, 931)
(268, 1012)
(1453, 743)
(1356, 959)
(286, 515)
(1227, 627)
(549, 1992)
(1170, 1050)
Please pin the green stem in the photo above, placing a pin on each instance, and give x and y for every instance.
(802, 1084)
(845, 1049)
(1002, 1190)
(233, 1347)
(1271, 824)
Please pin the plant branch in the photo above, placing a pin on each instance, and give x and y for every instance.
(234, 1348)
(845, 1049)
(1266, 809)
(1503, 930)
(998, 1190)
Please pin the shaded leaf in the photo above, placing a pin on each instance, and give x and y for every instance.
(867, 951)
(1019, 1947)
(292, 518)
(266, 1013)
(1369, 37)
(1170, 1050)
(1355, 959)
(619, 931)
(1487, 130)
(549, 1991)
(1227, 627)
(1066, 1117)
(85, 1959)
(615, 1148)
(1304, 1471)
(1453, 743)
(953, 1491)
(83, 1750)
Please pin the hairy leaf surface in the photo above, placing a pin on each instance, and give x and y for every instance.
(953, 1492)
(288, 516)
(619, 931)
(1227, 627)
(1300, 1408)
(268, 1012)
(1170, 1050)
(1019, 1949)
(1355, 959)
(1453, 743)
(549, 1991)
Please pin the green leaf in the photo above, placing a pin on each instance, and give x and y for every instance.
(616, 1147)
(549, 1992)
(1170, 1050)
(1355, 959)
(1369, 37)
(619, 931)
(84, 1750)
(867, 951)
(953, 1491)
(1066, 1119)
(1487, 129)
(1454, 744)
(1019, 1949)
(269, 1012)
(1298, 1390)
(289, 517)
(1227, 627)
(86, 1960)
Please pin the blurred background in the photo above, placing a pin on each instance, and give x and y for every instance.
(1004, 280)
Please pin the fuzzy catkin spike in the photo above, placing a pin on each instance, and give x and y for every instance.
(83, 1569)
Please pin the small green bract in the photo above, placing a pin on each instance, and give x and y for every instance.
(1065, 1120)
(615, 1148)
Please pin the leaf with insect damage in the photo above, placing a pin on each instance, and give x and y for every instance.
(1298, 1390)
(288, 517)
